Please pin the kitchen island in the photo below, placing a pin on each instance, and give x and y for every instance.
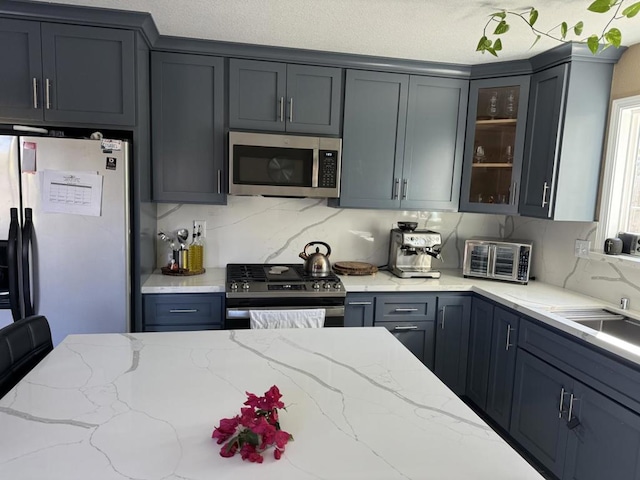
(144, 405)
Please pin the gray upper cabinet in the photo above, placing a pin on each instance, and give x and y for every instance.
(565, 134)
(279, 97)
(187, 105)
(495, 144)
(22, 70)
(67, 73)
(402, 141)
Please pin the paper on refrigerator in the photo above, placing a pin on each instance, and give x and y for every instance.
(78, 193)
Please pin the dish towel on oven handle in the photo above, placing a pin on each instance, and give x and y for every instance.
(307, 318)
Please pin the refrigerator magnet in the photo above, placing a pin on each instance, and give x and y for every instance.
(113, 145)
(29, 157)
(111, 163)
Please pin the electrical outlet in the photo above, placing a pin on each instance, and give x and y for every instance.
(582, 248)
(203, 227)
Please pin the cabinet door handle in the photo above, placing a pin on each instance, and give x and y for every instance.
(291, 110)
(562, 394)
(35, 93)
(571, 400)
(406, 310)
(183, 310)
(404, 188)
(396, 184)
(444, 309)
(509, 344)
(47, 93)
(281, 108)
(359, 303)
(219, 181)
(405, 327)
(544, 194)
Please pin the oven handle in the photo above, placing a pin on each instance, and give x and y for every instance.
(243, 313)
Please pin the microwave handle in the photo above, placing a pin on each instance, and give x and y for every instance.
(315, 168)
(491, 266)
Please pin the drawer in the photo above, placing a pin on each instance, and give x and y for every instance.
(601, 370)
(183, 309)
(402, 308)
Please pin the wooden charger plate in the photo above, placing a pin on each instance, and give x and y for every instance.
(354, 268)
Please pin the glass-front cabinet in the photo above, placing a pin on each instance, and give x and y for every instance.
(495, 144)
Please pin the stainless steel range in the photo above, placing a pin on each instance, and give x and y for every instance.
(280, 287)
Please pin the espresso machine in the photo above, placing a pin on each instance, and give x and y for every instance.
(411, 251)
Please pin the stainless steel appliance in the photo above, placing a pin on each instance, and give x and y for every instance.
(411, 252)
(497, 259)
(57, 260)
(280, 287)
(284, 165)
(316, 264)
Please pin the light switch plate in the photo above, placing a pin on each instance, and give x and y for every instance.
(582, 248)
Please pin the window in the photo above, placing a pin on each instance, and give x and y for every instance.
(620, 199)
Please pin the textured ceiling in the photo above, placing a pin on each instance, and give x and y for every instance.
(433, 30)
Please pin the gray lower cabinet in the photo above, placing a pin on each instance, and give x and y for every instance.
(402, 141)
(411, 319)
(479, 354)
(187, 107)
(183, 312)
(566, 123)
(283, 97)
(359, 310)
(67, 73)
(452, 339)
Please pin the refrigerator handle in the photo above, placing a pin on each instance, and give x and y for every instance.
(27, 235)
(12, 257)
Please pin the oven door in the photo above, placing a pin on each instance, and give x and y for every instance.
(505, 261)
(237, 317)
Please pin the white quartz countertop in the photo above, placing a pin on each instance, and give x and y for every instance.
(359, 405)
(536, 300)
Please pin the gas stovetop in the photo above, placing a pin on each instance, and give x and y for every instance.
(279, 280)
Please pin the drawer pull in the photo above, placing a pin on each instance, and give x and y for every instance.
(406, 327)
(560, 407)
(509, 344)
(183, 310)
(406, 310)
(359, 303)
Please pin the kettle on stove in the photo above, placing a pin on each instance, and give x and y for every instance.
(316, 264)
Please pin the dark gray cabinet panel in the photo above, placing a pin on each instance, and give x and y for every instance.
(502, 366)
(418, 337)
(479, 356)
(540, 402)
(567, 118)
(184, 311)
(21, 72)
(67, 73)
(359, 310)
(606, 443)
(375, 113)
(402, 141)
(434, 142)
(187, 104)
(279, 97)
(452, 340)
(405, 307)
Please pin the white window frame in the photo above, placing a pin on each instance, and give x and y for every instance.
(624, 125)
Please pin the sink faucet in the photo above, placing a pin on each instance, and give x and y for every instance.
(624, 303)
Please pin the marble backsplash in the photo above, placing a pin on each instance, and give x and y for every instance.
(275, 230)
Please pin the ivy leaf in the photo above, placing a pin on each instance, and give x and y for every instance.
(502, 15)
(592, 43)
(482, 44)
(600, 6)
(632, 10)
(503, 27)
(563, 29)
(535, 41)
(497, 46)
(577, 28)
(533, 16)
(614, 37)
(492, 51)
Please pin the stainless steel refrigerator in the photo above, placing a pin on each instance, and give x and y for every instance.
(64, 233)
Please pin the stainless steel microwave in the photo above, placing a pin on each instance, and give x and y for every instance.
(284, 165)
(497, 259)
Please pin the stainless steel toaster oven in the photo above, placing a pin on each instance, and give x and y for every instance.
(497, 259)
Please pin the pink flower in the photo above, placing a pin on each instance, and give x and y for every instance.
(277, 453)
(226, 429)
(248, 452)
(281, 439)
(229, 449)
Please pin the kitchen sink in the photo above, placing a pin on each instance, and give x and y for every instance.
(606, 321)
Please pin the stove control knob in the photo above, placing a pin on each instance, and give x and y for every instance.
(336, 285)
(315, 285)
(245, 286)
(327, 285)
(234, 286)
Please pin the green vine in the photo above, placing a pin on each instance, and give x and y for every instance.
(608, 37)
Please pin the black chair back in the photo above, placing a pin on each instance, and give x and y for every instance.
(23, 344)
